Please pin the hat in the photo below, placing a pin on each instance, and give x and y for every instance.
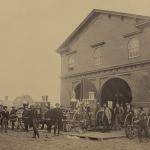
(57, 104)
(141, 108)
(4, 107)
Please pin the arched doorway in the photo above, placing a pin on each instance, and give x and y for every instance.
(116, 90)
(77, 91)
(83, 89)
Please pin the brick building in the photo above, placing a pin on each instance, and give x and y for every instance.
(108, 57)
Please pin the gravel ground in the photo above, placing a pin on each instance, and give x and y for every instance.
(24, 141)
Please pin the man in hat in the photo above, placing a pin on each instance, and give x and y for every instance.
(117, 116)
(107, 117)
(4, 119)
(26, 118)
(13, 117)
(34, 120)
(56, 118)
(142, 124)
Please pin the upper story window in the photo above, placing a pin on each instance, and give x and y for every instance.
(134, 48)
(71, 62)
(97, 56)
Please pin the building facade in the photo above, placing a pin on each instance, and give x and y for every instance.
(108, 56)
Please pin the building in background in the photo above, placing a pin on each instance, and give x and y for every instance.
(107, 57)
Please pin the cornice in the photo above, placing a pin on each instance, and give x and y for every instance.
(113, 69)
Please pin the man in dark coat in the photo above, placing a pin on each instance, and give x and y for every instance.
(142, 124)
(117, 114)
(26, 118)
(4, 119)
(13, 117)
(34, 120)
(56, 118)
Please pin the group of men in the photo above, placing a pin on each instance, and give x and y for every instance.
(138, 116)
(112, 117)
(115, 118)
(30, 118)
(53, 117)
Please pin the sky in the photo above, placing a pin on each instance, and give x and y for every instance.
(31, 31)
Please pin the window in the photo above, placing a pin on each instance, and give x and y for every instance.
(97, 56)
(71, 62)
(134, 48)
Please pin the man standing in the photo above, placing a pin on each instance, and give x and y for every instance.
(106, 117)
(118, 113)
(13, 117)
(26, 119)
(33, 115)
(56, 118)
(4, 119)
(142, 124)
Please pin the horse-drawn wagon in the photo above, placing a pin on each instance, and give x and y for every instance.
(19, 118)
(87, 115)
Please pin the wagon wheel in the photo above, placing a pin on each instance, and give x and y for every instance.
(20, 123)
(130, 129)
(68, 127)
(75, 123)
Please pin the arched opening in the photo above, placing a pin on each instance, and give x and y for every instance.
(77, 91)
(116, 90)
(84, 89)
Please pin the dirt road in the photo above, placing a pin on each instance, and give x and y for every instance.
(23, 141)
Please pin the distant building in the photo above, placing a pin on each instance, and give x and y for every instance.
(108, 57)
(24, 99)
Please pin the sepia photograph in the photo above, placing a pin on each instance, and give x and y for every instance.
(74, 75)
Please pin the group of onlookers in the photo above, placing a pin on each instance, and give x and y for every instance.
(30, 118)
(121, 116)
(113, 118)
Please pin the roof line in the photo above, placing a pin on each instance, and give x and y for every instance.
(93, 13)
(122, 14)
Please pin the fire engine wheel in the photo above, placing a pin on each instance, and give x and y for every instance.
(21, 123)
(130, 130)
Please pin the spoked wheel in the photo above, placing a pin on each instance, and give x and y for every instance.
(20, 123)
(68, 127)
(130, 129)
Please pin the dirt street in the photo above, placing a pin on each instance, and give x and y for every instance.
(23, 141)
